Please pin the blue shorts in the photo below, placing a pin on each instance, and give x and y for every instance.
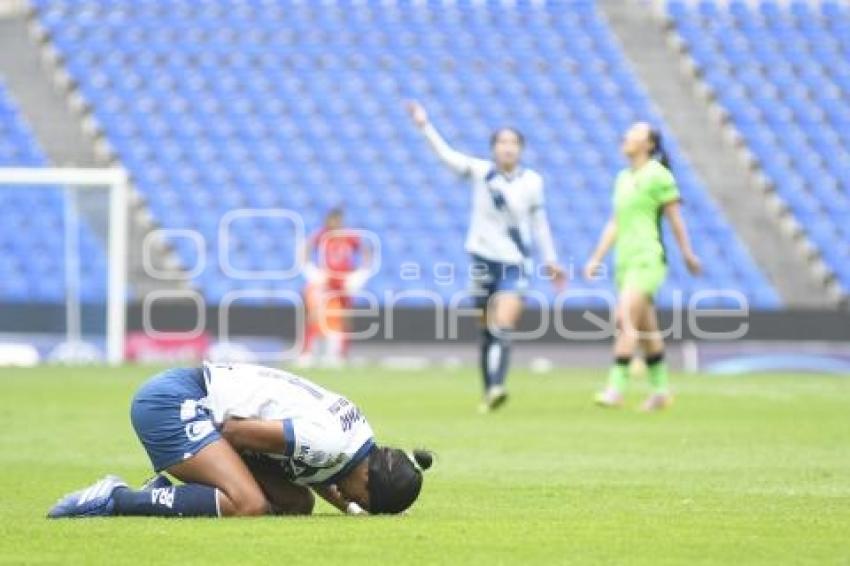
(489, 277)
(167, 419)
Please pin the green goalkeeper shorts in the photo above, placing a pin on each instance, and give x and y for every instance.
(645, 277)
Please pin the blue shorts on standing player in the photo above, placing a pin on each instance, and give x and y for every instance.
(488, 277)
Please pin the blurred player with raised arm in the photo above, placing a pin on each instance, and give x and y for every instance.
(508, 218)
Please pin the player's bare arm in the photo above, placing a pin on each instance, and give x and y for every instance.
(673, 213)
(606, 241)
(456, 161)
(255, 435)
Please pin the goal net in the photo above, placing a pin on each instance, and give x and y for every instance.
(63, 265)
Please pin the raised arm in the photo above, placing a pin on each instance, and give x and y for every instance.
(673, 213)
(458, 162)
(606, 240)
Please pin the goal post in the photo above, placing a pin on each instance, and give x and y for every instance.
(74, 181)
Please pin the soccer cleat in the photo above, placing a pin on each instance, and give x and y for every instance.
(94, 501)
(156, 482)
(657, 402)
(610, 398)
(495, 397)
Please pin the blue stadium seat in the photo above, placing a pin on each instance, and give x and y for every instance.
(31, 236)
(792, 109)
(213, 105)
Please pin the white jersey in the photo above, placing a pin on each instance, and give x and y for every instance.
(508, 217)
(325, 434)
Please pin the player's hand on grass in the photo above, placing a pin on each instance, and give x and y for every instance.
(417, 113)
(693, 263)
(355, 509)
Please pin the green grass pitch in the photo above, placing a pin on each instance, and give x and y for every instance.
(741, 470)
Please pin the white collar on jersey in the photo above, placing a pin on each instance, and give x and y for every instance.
(516, 174)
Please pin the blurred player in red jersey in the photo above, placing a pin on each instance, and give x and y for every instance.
(331, 268)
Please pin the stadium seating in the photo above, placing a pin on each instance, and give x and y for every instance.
(32, 253)
(782, 71)
(214, 105)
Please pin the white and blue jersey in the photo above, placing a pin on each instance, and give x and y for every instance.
(508, 219)
(179, 412)
(325, 433)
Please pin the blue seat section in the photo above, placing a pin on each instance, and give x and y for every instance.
(215, 105)
(32, 253)
(782, 71)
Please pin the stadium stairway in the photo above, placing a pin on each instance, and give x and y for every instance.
(716, 159)
(43, 105)
(48, 103)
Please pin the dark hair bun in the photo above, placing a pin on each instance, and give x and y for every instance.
(424, 458)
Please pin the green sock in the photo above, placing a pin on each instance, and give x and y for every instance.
(657, 368)
(618, 375)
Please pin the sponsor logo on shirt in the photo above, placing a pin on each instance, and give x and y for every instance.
(348, 419)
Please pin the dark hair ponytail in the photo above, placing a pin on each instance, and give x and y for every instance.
(424, 458)
(395, 478)
(658, 152)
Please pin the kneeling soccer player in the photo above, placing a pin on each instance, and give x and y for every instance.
(249, 440)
